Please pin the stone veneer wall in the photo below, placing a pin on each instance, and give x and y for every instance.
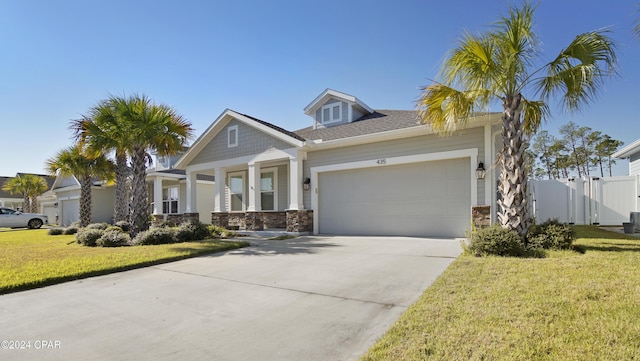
(179, 218)
(300, 221)
(481, 216)
(292, 221)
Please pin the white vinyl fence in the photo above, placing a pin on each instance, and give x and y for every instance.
(603, 201)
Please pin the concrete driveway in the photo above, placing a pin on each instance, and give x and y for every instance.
(310, 298)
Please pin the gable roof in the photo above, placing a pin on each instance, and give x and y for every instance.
(330, 93)
(220, 122)
(627, 151)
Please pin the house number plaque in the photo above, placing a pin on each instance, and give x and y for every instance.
(381, 161)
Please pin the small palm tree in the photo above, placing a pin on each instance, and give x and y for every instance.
(103, 131)
(72, 161)
(29, 186)
(149, 127)
(499, 65)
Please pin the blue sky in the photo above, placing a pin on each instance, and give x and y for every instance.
(268, 59)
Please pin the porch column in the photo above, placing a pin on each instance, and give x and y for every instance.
(254, 188)
(295, 182)
(191, 193)
(157, 195)
(219, 186)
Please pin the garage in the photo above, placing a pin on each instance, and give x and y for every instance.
(417, 199)
(70, 209)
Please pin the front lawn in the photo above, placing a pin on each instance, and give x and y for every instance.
(568, 306)
(32, 258)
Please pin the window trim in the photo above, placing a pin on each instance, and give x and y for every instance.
(229, 194)
(273, 170)
(232, 142)
(169, 201)
(330, 106)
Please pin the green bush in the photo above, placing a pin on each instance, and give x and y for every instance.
(220, 232)
(551, 235)
(192, 231)
(55, 231)
(166, 224)
(101, 226)
(71, 230)
(155, 236)
(89, 237)
(113, 237)
(496, 240)
(124, 226)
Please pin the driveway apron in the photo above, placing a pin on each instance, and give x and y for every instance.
(309, 298)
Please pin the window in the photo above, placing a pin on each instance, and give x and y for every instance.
(331, 113)
(268, 190)
(232, 135)
(170, 200)
(236, 192)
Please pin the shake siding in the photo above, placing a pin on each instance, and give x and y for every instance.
(67, 181)
(356, 114)
(465, 139)
(634, 164)
(250, 141)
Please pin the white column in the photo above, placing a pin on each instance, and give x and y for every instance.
(254, 187)
(157, 195)
(192, 195)
(295, 182)
(219, 187)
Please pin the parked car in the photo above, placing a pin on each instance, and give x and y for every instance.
(13, 219)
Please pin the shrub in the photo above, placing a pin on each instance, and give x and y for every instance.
(155, 236)
(113, 237)
(101, 226)
(221, 232)
(71, 230)
(551, 235)
(89, 237)
(55, 231)
(192, 231)
(496, 240)
(167, 224)
(124, 226)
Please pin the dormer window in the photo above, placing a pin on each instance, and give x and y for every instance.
(232, 135)
(331, 113)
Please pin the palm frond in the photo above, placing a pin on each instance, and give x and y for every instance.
(579, 71)
(534, 113)
(447, 109)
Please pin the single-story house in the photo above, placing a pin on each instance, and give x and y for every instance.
(354, 170)
(631, 152)
(166, 187)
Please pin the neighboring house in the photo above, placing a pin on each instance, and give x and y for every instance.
(163, 181)
(355, 170)
(16, 201)
(631, 152)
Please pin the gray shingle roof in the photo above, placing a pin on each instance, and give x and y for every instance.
(377, 122)
(3, 180)
(275, 127)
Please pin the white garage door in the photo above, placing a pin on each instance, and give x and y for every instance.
(418, 199)
(70, 211)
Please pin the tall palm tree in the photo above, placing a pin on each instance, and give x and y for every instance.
(500, 65)
(29, 186)
(73, 161)
(149, 127)
(102, 130)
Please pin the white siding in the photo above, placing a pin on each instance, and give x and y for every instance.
(634, 164)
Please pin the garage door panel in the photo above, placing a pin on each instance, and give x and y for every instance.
(418, 199)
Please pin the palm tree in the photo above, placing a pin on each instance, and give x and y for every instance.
(72, 161)
(499, 65)
(148, 127)
(29, 186)
(103, 131)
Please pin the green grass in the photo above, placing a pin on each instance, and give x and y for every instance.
(32, 258)
(569, 306)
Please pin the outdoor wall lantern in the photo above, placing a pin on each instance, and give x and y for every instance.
(306, 185)
(480, 171)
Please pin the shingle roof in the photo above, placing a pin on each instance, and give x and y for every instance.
(5, 194)
(274, 127)
(3, 180)
(376, 122)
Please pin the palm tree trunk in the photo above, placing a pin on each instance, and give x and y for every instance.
(85, 201)
(26, 206)
(139, 199)
(121, 204)
(513, 205)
